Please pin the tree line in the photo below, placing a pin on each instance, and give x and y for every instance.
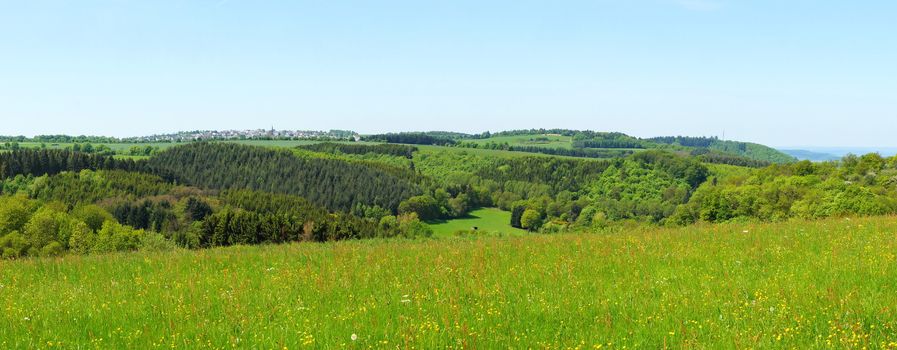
(413, 138)
(38, 162)
(404, 151)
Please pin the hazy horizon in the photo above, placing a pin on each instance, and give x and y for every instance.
(838, 150)
(774, 73)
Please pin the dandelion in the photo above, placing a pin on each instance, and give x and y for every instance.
(354, 337)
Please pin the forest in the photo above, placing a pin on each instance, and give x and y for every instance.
(208, 194)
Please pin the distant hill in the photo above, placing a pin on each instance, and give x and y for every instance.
(748, 150)
(752, 150)
(810, 155)
(593, 144)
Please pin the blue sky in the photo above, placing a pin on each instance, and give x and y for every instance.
(784, 73)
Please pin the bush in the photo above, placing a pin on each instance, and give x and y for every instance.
(154, 242)
(13, 245)
(411, 227)
(82, 238)
(555, 226)
(15, 213)
(93, 216)
(43, 227)
(52, 249)
(115, 237)
(424, 206)
(531, 220)
(189, 238)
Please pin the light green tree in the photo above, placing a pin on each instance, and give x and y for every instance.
(531, 220)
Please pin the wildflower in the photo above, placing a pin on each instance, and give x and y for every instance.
(27, 318)
(354, 337)
(745, 231)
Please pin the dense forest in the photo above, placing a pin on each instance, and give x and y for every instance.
(207, 194)
(331, 183)
(48, 161)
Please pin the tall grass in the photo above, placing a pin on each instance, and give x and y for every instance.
(830, 283)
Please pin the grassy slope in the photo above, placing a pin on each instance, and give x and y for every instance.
(818, 284)
(484, 152)
(487, 220)
(752, 150)
(554, 141)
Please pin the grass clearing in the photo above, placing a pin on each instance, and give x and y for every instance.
(824, 284)
(536, 140)
(486, 220)
(486, 152)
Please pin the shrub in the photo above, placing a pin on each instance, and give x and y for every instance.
(82, 238)
(410, 227)
(15, 213)
(425, 206)
(531, 220)
(116, 237)
(43, 227)
(52, 249)
(13, 245)
(93, 216)
(154, 242)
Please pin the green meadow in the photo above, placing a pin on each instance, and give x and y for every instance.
(483, 152)
(822, 284)
(543, 140)
(485, 220)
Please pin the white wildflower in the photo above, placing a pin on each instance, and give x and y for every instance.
(354, 337)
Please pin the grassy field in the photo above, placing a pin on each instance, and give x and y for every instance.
(825, 284)
(486, 152)
(544, 140)
(486, 220)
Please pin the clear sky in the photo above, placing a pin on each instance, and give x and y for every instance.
(779, 72)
